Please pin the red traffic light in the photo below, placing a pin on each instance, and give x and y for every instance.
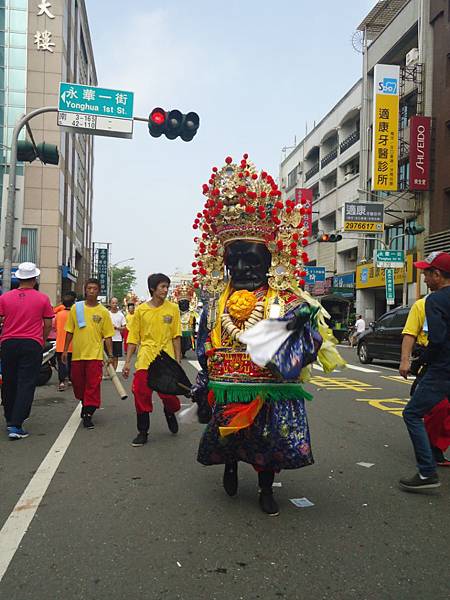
(158, 116)
(156, 122)
(173, 124)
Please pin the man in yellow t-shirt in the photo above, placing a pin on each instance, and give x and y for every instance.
(131, 307)
(156, 326)
(88, 326)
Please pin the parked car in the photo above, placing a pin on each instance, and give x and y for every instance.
(383, 338)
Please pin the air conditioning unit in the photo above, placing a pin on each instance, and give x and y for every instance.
(412, 57)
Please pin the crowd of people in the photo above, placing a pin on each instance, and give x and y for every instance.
(88, 336)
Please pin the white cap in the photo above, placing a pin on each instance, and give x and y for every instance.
(27, 270)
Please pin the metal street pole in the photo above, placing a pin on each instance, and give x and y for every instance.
(405, 267)
(11, 202)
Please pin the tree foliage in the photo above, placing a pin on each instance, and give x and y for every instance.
(123, 281)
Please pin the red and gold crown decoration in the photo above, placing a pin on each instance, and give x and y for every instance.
(242, 204)
(183, 291)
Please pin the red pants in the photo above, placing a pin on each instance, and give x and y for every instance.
(86, 381)
(143, 395)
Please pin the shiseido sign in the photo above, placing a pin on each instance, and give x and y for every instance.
(419, 153)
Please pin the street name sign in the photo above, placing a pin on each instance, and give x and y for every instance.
(364, 216)
(389, 259)
(314, 274)
(390, 286)
(95, 110)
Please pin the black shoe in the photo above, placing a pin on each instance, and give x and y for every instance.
(416, 483)
(87, 422)
(268, 504)
(140, 439)
(172, 422)
(230, 479)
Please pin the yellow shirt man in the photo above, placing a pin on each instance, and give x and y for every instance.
(416, 322)
(153, 329)
(88, 341)
(129, 319)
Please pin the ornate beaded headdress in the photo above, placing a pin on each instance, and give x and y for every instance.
(183, 291)
(244, 205)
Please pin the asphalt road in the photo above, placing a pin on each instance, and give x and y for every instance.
(118, 522)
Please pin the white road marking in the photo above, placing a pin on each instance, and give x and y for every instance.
(362, 369)
(19, 520)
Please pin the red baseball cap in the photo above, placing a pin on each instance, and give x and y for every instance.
(435, 260)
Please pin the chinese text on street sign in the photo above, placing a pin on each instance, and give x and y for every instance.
(90, 109)
(102, 270)
(314, 274)
(390, 287)
(389, 259)
(385, 127)
(364, 216)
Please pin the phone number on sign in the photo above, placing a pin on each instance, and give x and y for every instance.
(359, 226)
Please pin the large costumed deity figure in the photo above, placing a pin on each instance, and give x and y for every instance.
(259, 330)
(184, 295)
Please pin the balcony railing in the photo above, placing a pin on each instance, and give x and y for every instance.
(349, 141)
(312, 171)
(329, 157)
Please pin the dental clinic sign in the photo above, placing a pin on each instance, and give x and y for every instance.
(419, 153)
(385, 128)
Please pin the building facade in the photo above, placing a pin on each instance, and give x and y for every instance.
(439, 232)
(43, 43)
(397, 32)
(326, 161)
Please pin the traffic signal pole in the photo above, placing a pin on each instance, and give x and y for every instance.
(11, 202)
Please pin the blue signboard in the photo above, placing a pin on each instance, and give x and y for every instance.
(344, 285)
(91, 100)
(314, 274)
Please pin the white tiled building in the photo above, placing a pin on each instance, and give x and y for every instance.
(327, 161)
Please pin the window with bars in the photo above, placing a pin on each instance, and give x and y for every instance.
(28, 245)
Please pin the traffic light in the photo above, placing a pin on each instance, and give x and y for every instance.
(47, 153)
(414, 229)
(173, 124)
(329, 237)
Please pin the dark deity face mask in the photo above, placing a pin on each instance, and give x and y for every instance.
(247, 264)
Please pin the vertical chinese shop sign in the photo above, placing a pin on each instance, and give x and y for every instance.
(385, 128)
(305, 197)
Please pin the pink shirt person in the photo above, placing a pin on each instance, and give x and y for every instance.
(23, 311)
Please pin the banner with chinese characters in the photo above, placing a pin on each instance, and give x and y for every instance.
(43, 37)
(306, 195)
(102, 270)
(385, 128)
(419, 152)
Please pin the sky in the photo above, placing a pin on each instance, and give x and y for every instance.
(256, 72)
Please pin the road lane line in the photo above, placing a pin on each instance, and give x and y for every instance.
(19, 520)
(362, 369)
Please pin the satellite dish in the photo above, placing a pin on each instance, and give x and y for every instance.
(358, 41)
